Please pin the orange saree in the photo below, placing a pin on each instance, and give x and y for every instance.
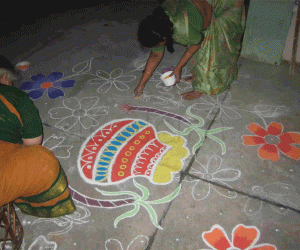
(33, 178)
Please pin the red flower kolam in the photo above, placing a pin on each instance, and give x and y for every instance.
(243, 237)
(273, 141)
(123, 149)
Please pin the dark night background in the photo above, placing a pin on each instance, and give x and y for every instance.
(14, 15)
(29, 26)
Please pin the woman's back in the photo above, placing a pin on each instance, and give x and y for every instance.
(19, 118)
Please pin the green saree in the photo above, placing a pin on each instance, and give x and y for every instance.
(215, 63)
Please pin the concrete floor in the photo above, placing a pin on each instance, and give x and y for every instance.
(216, 193)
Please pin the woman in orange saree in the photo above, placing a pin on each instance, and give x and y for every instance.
(30, 174)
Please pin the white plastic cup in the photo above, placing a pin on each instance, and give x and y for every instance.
(168, 81)
(23, 65)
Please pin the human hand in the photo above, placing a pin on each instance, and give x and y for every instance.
(177, 73)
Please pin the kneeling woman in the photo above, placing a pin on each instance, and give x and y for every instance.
(211, 31)
(30, 174)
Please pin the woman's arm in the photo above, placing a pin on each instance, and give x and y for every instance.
(152, 63)
(206, 11)
(32, 124)
(188, 54)
(33, 141)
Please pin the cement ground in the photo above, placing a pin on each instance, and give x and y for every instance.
(222, 192)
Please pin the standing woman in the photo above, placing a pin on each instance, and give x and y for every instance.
(211, 31)
(30, 174)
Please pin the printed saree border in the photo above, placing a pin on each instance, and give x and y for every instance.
(61, 208)
(57, 188)
(48, 203)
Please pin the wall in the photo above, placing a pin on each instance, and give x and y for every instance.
(287, 53)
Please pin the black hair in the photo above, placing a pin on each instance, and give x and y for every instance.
(154, 28)
(6, 64)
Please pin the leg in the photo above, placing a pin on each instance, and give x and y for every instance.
(138, 92)
(192, 95)
(34, 181)
(190, 78)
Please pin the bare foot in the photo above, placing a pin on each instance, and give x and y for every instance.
(189, 78)
(139, 95)
(192, 95)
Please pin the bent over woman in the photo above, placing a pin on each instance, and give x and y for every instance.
(211, 31)
(30, 174)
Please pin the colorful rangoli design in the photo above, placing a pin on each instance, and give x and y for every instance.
(273, 140)
(243, 237)
(51, 84)
(123, 149)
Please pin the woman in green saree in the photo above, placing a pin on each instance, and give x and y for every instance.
(211, 30)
